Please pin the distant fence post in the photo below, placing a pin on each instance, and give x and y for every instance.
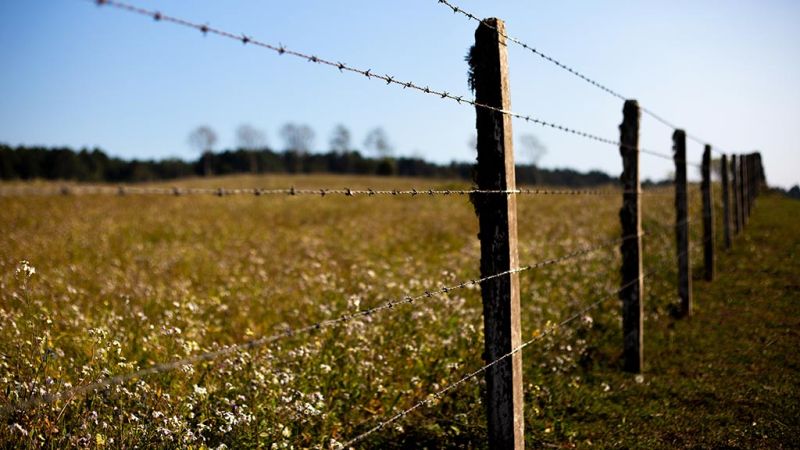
(631, 218)
(708, 216)
(748, 191)
(726, 205)
(754, 185)
(497, 217)
(682, 222)
(737, 219)
(760, 178)
(744, 188)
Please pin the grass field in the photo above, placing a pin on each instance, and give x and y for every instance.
(122, 282)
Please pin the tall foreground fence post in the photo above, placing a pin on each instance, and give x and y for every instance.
(497, 217)
(682, 222)
(726, 202)
(708, 216)
(631, 218)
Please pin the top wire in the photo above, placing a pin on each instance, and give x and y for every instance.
(343, 67)
(559, 64)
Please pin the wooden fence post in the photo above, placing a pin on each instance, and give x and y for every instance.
(737, 219)
(744, 190)
(631, 248)
(497, 217)
(761, 181)
(726, 205)
(682, 222)
(756, 174)
(748, 192)
(708, 216)
(753, 185)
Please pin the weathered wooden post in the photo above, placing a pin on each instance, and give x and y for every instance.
(631, 248)
(749, 171)
(743, 188)
(748, 184)
(756, 174)
(497, 217)
(726, 205)
(753, 179)
(737, 218)
(708, 216)
(761, 182)
(682, 222)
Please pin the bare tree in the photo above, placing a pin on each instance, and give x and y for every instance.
(249, 137)
(297, 138)
(203, 139)
(340, 139)
(378, 143)
(532, 149)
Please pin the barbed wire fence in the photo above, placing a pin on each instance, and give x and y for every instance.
(495, 205)
(459, 10)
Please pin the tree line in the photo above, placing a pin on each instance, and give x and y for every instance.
(254, 155)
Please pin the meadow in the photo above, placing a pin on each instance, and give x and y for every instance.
(92, 286)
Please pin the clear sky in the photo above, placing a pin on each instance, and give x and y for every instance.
(726, 70)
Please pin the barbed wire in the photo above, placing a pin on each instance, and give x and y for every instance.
(559, 64)
(463, 12)
(255, 343)
(343, 67)
(319, 192)
(432, 398)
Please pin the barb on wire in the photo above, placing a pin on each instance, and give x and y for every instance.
(260, 342)
(343, 67)
(432, 398)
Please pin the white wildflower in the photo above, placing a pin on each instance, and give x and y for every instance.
(25, 269)
(18, 427)
(200, 391)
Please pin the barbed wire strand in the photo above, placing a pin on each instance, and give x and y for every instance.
(438, 395)
(212, 355)
(343, 67)
(559, 64)
(459, 10)
(319, 192)
(432, 398)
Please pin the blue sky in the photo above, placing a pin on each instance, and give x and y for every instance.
(75, 74)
